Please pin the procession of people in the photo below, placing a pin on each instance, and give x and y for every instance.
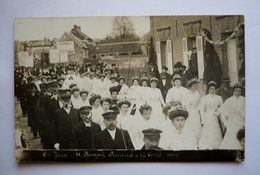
(92, 107)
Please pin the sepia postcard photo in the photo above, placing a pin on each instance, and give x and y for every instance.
(129, 88)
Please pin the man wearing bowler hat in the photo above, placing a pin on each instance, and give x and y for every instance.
(85, 130)
(64, 121)
(112, 137)
(151, 139)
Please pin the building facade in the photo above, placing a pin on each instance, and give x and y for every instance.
(174, 37)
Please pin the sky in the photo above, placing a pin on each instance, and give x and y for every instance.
(94, 27)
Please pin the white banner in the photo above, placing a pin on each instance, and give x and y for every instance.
(22, 57)
(66, 46)
(29, 61)
(64, 56)
(54, 56)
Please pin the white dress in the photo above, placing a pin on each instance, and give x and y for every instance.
(191, 102)
(173, 139)
(140, 125)
(123, 92)
(134, 96)
(76, 102)
(155, 100)
(233, 114)
(97, 115)
(145, 94)
(175, 94)
(211, 134)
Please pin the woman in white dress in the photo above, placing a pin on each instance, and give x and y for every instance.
(155, 99)
(211, 134)
(143, 123)
(102, 86)
(122, 94)
(178, 136)
(233, 114)
(134, 95)
(84, 98)
(177, 92)
(191, 102)
(94, 101)
(105, 105)
(144, 90)
(75, 98)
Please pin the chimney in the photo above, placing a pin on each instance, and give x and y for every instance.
(79, 28)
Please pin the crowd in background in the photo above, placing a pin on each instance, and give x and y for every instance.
(158, 111)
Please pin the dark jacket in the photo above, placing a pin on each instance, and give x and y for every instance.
(103, 140)
(85, 135)
(63, 125)
(224, 93)
(164, 89)
(158, 148)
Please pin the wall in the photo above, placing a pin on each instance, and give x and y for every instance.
(177, 33)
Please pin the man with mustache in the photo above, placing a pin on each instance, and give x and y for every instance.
(151, 139)
(85, 130)
(64, 121)
(112, 137)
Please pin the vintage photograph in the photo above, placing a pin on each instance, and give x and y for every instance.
(129, 88)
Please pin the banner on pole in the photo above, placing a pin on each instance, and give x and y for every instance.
(22, 58)
(29, 61)
(64, 56)
(54, 56)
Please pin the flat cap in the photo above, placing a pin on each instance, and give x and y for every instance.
(110, 114)
(152, 133)
(85, 108)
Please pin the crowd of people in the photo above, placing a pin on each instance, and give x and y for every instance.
(91, 107)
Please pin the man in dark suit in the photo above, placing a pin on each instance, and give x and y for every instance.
(164, 84)
(224, 89)
(112, 137)
(31, 106)
(153, 71)
(64, 121)
(48, 104)
(151, 139)
(186, 75)
(85, 130)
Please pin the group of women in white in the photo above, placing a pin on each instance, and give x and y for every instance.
(210, 124)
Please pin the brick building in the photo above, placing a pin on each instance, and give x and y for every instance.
(116, 47)
(175, 36)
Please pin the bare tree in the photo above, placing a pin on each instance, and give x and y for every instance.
(122, 27)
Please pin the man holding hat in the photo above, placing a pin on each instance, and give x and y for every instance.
(151, 139)
(85, 130)
(64, 121)
(112, 137)
(179, 136)
(233, 116)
